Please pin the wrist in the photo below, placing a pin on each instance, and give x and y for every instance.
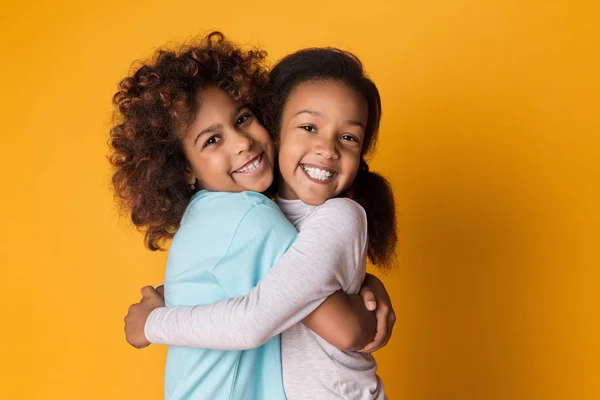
(152, 324)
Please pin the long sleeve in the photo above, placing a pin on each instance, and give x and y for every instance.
(327, 255)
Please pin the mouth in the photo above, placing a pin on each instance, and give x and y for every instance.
(318, 174)
(252, 167)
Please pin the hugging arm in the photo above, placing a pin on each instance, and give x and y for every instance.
(326, 257)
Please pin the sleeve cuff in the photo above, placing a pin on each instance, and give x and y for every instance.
(152, 326)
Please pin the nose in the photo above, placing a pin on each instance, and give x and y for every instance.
(327, 148)
(241, 142)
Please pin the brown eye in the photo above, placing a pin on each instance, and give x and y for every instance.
(243, 119)
(349, 138)
(211, 140)
(308, 128)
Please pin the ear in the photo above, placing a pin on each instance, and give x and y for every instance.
(190, 177)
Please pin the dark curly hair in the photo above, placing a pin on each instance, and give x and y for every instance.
(154, 106)
(369, 189)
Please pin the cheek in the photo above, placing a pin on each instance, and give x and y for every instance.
(283, 150)
(211, 166)
(285, 162)
(270, 149)
(196, 166)
(262, 136)
(294, 146)
(290, 154)
(351, 166)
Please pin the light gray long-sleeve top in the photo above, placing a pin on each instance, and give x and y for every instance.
(329, 254)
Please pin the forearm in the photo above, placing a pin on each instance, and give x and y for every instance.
(283, 298)
(343, 321)
(223, 326)
(313, 268)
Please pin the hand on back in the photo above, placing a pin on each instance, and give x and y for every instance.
(138, 313)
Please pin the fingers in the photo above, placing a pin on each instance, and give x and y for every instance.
(138, 313)
(386, 318)
(130, 311)
(369, 298)
(148, 291)
(381, 336)
(391, 323)
(137, 345)
(152, 296)
(161, 290)
(134, 326)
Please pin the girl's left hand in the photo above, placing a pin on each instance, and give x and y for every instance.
(376, 299)
(138, 313)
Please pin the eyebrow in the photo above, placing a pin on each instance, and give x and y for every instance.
(239, 109)
(318, 114)
(311, 112)
(355, 123)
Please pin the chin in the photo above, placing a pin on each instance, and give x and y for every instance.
(262, 187)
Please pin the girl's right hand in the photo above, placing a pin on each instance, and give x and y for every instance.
(377, 299)
(138, 313)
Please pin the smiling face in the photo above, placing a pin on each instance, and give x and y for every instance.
(226, 146)
(320, 141)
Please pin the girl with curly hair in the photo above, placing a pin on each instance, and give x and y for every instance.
(191, 159)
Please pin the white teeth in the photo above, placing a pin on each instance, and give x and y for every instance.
(317, 173)
(251, 167)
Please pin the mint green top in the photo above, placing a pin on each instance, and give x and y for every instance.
(227, 242)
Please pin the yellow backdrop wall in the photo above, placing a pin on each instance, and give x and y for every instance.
(490, 138)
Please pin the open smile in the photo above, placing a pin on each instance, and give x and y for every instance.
(318, 174)
(252, 167)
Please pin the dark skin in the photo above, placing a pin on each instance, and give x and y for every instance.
(362, 322)
(343, 321)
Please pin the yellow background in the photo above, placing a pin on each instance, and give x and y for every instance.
(490, 138)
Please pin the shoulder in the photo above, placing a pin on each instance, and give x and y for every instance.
(248, 214)
(339, 229)
(217, 215)
(338, 221)
(261, 214)
(260, 227)
(219, 219)
(343, 210)
(344, 205)
(228, 207)
(228, 200)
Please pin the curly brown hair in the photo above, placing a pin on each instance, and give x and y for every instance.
(154, 107)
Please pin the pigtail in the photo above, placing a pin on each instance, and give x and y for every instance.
(374, 193)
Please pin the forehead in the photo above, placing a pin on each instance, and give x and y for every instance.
(329, 97)
(213, 106)
(212, 99)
